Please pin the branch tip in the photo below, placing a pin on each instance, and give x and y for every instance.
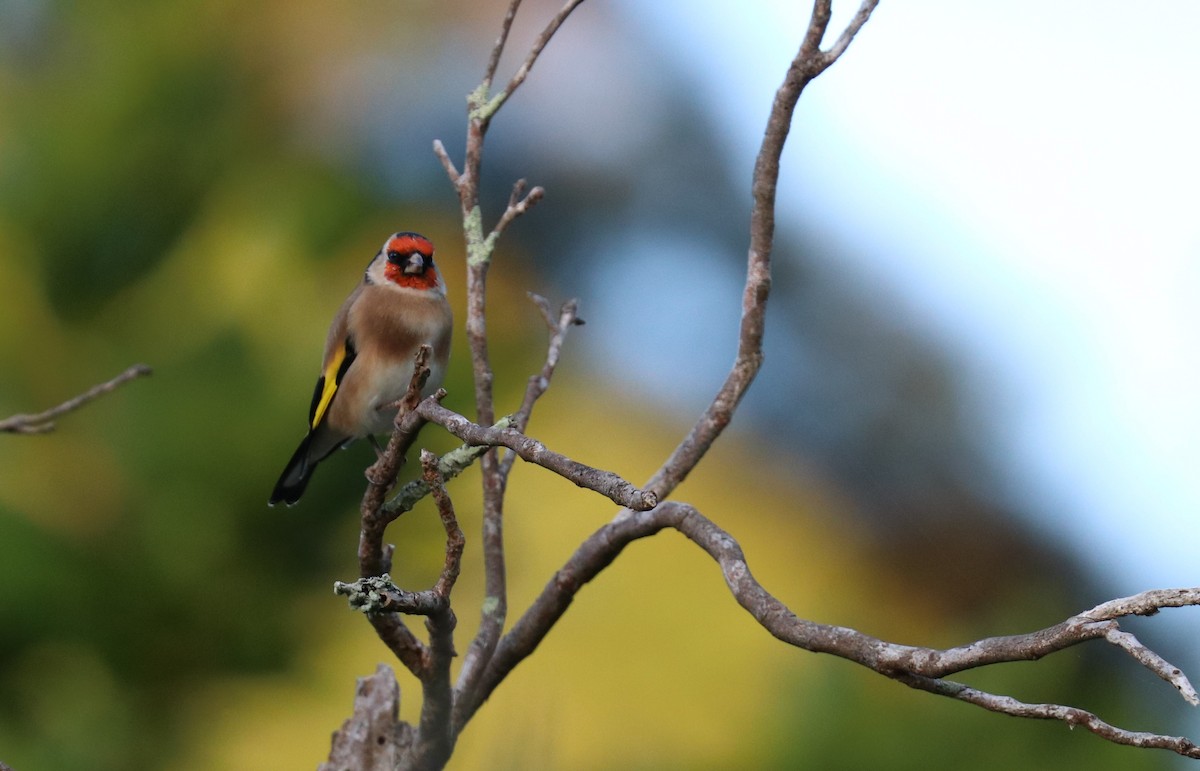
(44, 422)
(440, 151)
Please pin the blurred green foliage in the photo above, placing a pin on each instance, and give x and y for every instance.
(158, 203)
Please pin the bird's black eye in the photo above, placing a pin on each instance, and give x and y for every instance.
(394, 256)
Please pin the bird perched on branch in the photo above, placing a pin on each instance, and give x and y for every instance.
(399, 306)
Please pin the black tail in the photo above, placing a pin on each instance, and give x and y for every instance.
(295, 475)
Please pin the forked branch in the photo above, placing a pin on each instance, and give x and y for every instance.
(492, 656)
(920, 668)
(568, 316)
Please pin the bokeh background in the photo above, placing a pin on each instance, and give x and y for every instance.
(977, 414)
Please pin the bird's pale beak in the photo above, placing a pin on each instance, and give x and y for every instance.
(415, 265)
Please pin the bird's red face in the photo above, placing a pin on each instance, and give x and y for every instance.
(410, 261)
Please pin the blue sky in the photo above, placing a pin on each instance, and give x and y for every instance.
(1023, 177)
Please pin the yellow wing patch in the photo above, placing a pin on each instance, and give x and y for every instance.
(332, 378)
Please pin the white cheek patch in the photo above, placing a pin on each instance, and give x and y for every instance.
(375, 273)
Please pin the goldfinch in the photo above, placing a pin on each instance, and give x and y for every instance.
(399, 306)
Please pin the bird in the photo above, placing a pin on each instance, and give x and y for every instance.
(399, 305)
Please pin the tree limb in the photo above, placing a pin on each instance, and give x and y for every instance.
(917, 667)
(810, 62)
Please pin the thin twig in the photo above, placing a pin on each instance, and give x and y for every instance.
(43, 422)
(435, 737)
(1144, 604)
(454, 535)
(440, 151)
(847, 37)
(1072, 716)
(538, 384)
(1154, 662)
(515, 209)
(518, 192)
(485, 111)
(489, 74)
(604, 482)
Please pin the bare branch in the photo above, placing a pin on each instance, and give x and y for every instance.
(1099, 622)
(382, 602)
(518, 192)
(454, 535)
(847, 37)
(543, 306)
(810, 62)
(379, 594)
(1154, 662)
(440, 151)
(489, 74)
(517, 206)
(917, 667)
(606, 483)
(494, 610)
(43, 422)
(817, 24)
